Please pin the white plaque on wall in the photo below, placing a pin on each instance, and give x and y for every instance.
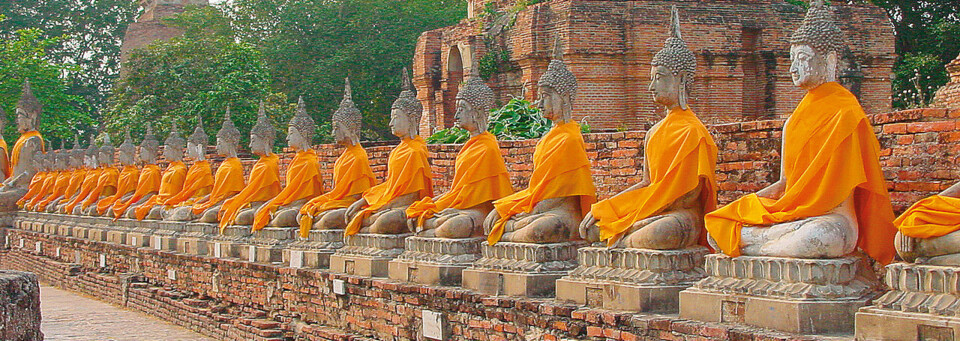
(156, 242)
(172, 274)
(58, 252)
(103, 261)
(217, 250)
(252, 254)
(432, 324)
(339, 287)
(296, 259)
(38, 247)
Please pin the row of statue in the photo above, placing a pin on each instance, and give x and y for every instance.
(830, 200)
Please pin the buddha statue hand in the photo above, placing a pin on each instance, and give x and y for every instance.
(589, 230)
(353, 209)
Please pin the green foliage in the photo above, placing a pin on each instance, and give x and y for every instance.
(22, 57)
(517, 120)
(497, 60)
(919, 76)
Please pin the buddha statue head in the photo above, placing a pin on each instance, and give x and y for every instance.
(263, 134)
(474, 101)
(557, 88)
(346, 120)
(76, 154)
(173, 145)
(228, 138)
(197, 142)
(127, 151)
(301, 128)
(406, 110)
(62, 156)
(815, 48)
(673, 69)
(28, 110)
(90, 155)
(106, 151)
(148, 147)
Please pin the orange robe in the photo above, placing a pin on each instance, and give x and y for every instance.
(75, 181)
(303, 181)
(351, 176)
(480, 175)
(6, 151)
(679, 155)
(59, 188)
(263, 185)
(126, 184)
(48, 187)
(33, 189)
(148, 182)
(408, 171)
(199, 182)
(171, 183)
(830, 153)
(108, 178)
(226, 183)
(15, 154)
(931, 217)
(560, 169)
(89, 183)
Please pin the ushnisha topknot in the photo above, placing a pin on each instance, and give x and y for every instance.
(819, 30)
(407, 102)
(675, 55)
(347, 115)
(476, 92)
(302, 122)
(557, 75)
(264, 128)
(127, 145)
(174, 140)
(149, 140)
(228, 131)
(28, 102)
(199, 136)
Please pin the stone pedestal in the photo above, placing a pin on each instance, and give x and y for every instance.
(314, 251)
(521, 269)
(632, 279)
(266, 245)
(368, 255)
(923, 304)
(139, 233)
(166, 234)
(435, 261)
(805, 296)
(229, 244)
(195, 238)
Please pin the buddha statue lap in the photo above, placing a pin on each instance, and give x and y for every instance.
(928, 230)
(197, 184)
(50, 174)
(59, 186)
(148, 179)
(22, 165)
(90, 179)
(264, 181)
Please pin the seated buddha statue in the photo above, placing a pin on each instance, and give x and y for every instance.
(480, 174)
(831, 197)
(351, 173)
(22, 165)
(303, 180)
(382, 208)
(52, 174)
(36, 182)
(171, 181)
(107, 181)
(664, 211)
(148, 179)
(90, 179)
(561, 187)
(198, 183)
(77, 172)
(228, 180)
(61, 167)
(263, 183)
(126, 181)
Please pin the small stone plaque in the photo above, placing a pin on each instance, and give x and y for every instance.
(732, 311)
(76, 256)
(156, 243)
(339, 287)
(133, 240)
(594, 296)
(103, 261)
(432, 324)
(412, 274)
(252, 254)
(349, 267)
(934, 333)
(296, 259)
(58, 252)
(172, 274)
(217, 250)
(39, 247)
(21, 243)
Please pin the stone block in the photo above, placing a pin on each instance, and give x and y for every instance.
(923, 304)
(367, 255)
(435, 261)
(267, 245)
(195, 238)
(521, 269)
(313, 252)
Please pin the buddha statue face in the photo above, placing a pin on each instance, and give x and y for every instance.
(62, 160)
(147, 155)
(226, 148)
(195, 151)
(553, 105)
(810, 68)
(467, 117)
(400, 124)
(260, 146)
(172, 153)
(666, 86)
(24, 121)
(126, 157)
(76, 159)
(344, 136)
(296, 140)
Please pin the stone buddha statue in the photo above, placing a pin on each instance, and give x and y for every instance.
(171, 181)
(264, 181)
(664, 211)
(58, 185)
(480, 174)
(22, 165)
(127, 179)
(148, 180)
(303, 180)
(198, 182)
(831, 197)
(228, 180)
(54, 165)
(351, 172)
(561, 187)
(106, 186)
(382, 208)
(77, 173)
(90, 178)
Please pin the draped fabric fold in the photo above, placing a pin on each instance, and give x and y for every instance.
(408, 171)
(33, 189)
(15, 153)
(351, 176)
(263, 185)
(199, 182)
(125, 184)
(59, 188)
(148, 182)
(76, 179)
(303, 181)
(108, 178)
(830, 153)
(560, 169)
(48, 187)
(171, 183)
(89, 183)
(931, 217)
(227, 182)
(6, 151)
(680, 155)
(480, 175)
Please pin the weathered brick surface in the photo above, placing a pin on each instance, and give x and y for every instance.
(237, 300)
(949, 95)
(149, 27)
(19, 306)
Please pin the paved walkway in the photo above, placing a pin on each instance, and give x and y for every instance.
(69, 316)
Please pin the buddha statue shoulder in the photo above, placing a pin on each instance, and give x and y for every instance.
(22, 164)
(263, 183)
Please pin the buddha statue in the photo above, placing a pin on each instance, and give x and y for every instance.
(351, 173)
(171, 181)
(148, 180)
(36, 182)
(58, 185)
(382, 208)
(228, 180)
(22, 165)
(302, 178)
(263, 183)
(107, 181)
(561, 187)
(480, 174)
(77, 173)
(90, 178)
(664, 211)
(831, 197)
(52, 165)
(126, 181)
(198, 183)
